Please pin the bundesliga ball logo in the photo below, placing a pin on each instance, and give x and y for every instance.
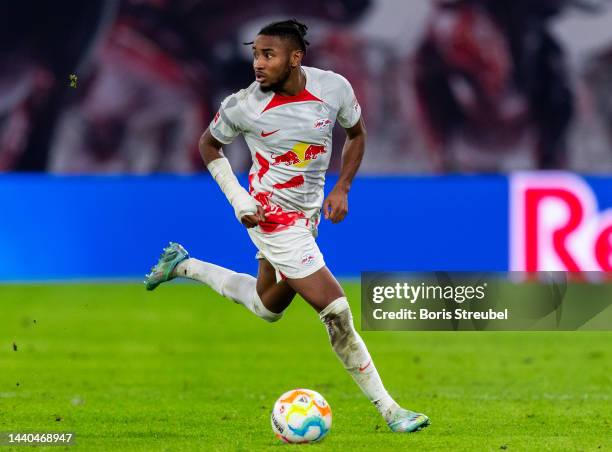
(301, 416)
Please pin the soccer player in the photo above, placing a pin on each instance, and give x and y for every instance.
(286, 117)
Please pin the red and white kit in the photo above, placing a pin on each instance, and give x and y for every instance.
(290, 141)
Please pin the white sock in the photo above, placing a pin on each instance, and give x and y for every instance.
(236, 286)
(353, 353)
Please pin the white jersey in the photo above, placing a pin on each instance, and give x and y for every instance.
(290, 139)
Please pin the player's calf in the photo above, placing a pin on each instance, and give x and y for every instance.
(239, 287)
(353, 353)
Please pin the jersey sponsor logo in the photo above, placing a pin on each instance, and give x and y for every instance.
(322, 124)
(300, 156)
(313, 151)
(267, 134)
(288, 158)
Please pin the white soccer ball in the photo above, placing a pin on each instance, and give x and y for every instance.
(301, 416)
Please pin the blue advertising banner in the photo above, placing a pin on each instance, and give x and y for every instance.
(56, 227)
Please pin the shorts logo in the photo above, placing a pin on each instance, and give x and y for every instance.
(308, 259)
(322, 124)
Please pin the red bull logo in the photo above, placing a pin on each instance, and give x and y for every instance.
(300, 156)
(313, 152)
(288, 158)
(556, 225)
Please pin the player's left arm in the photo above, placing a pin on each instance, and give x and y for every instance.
(335, 206)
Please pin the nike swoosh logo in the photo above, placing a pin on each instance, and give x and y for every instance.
(266, 134)
(361, 369)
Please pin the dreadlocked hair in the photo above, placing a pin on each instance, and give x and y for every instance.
(287, 29)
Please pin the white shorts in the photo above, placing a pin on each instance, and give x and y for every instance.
(292, 252)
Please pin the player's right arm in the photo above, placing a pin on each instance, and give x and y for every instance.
(248, 212)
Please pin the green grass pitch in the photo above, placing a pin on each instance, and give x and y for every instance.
(183, 369)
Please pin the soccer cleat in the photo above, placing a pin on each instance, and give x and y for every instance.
(407, 421)
(169, 259)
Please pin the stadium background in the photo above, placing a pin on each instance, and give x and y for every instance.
(466, 103)
(447, 88)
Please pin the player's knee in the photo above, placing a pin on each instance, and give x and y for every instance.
(344, 339)
(262, 311)
(272, 317)
(338, 319)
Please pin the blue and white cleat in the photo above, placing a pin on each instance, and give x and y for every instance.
(169, 259)
(407, 421)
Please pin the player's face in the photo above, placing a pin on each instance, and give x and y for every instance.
(272, 61)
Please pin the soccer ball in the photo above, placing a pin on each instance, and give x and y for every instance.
(301, 416)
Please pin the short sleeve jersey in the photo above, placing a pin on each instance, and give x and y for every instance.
(290, 139)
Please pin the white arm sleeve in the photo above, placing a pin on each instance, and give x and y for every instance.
(349, 110)
(223, 127)
(238, 197)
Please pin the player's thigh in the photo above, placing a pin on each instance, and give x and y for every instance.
(266, 276)
(272, 293)
(318, 289)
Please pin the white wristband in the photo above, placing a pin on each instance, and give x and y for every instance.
(238, 197)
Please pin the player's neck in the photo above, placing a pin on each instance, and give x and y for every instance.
(295, 84)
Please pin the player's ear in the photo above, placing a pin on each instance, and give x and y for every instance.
(296, 58)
